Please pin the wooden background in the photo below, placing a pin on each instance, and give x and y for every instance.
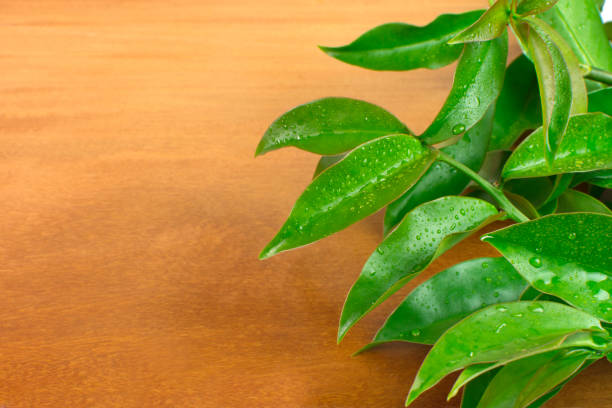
(132, 209)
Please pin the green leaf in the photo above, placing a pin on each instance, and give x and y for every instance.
(366, 180)
(491, 25)
(587, 146)
(448, 297)
(551, 374)
(498, 333)
(326, 162)
(442, 179)
(579, 23)
(536, 189)
(528, 7)
(608, 30)
(575, 201)
(477, 84)
(329, 126)
(400, 47)
(474, 371)
(601, 178)
(505, 389)
(562, 89)
(424, 234)
(523, 205)
(566, 255)
(601, 101)
(543, 399)
(518, 106)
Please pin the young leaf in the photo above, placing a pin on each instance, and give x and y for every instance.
(601, 101)
(325, 162)
(491, 25)
(400, 47)
(518, 106)
(566, 255)
(579, 23)
(329, 126)
(536, 189)
(575, 201)
(551, 374)
(511, 380)
(424, 234)
(498, 333)
(546, 397)
(450, 296)
(528, 7)
(441, 179)
(366, 180)
(587, 146)
(478, 81)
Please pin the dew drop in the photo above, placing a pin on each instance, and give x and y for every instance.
(536, 308)
(500, 327)
(485, 265)
(571, 235)
(471, 354)
(415, 332)
(380, 251)
(502, 308)
(535, 262)
(488, 280)
(459, 128)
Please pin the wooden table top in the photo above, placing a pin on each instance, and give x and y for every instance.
(133, 210)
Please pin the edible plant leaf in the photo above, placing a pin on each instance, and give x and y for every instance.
(325, 162)
(551, 374)
(329, 126)
(498, 332)
(491, 25)
(366, 180)
(400, 47)
(477, 84)
(601, 101)
(442, 179)
(527, 7)
(579, 23)
(576, 201)
(565, 255)
(472, 393)
(507, 386)
(587, 146)
(424, 234)
(518, 106)
(448, 297)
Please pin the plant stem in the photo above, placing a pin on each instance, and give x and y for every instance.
(501, 199)
(599, 75)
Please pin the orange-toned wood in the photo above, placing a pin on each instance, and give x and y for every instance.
(132, 210)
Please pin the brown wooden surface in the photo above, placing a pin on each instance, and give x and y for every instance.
(132, 210)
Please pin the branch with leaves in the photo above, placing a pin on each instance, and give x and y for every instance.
(530, 142)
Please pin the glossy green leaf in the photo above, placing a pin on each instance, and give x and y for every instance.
(424, 234)
(400, 47)
(601, 101)
(491, 25)
(579, 23)
(562, 89)
(549, 208)
(477, 84)
(523, 205)
(472, 393)
(366, 180)
(536, 190)
(575, 201)
(545, 398)
(498, 332)
(601, 178)
(441, 179)
(330, 126)
(561, 184)
(326, 162)
(587, 146)
(608, 30)
(551, 374)
(528, 7)
(474, 371)
(566, 255)
(448, 297)
(518, 106)
(507, 386)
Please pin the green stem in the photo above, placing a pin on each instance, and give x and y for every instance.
(599, 75)
(501, 199)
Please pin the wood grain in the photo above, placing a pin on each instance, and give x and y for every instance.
(132, 209)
